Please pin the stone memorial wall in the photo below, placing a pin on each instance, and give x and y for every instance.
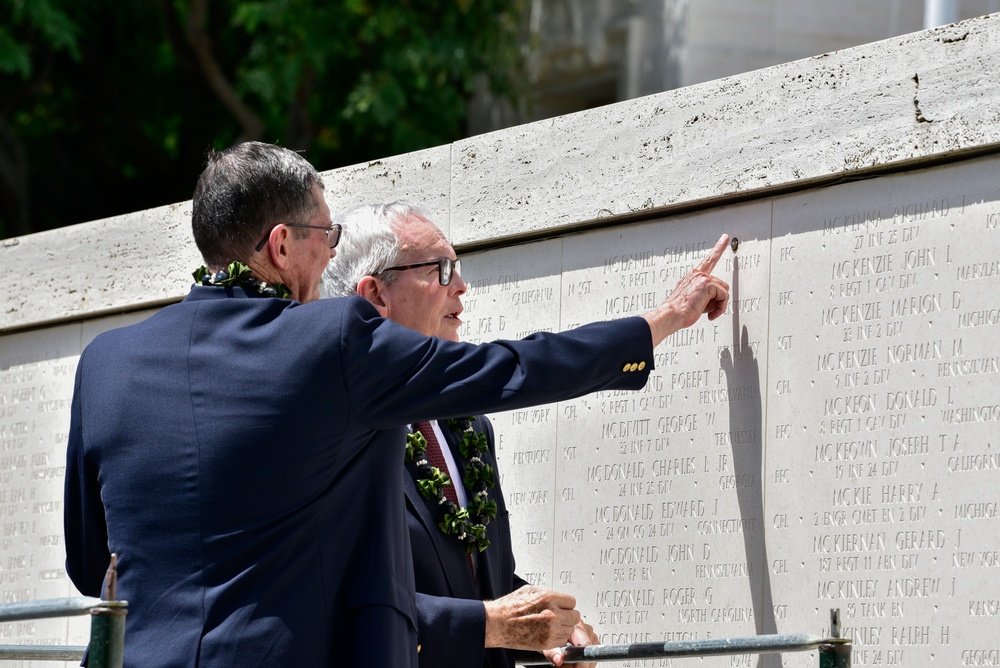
(830, 442)
(37, 371)
(36, 383)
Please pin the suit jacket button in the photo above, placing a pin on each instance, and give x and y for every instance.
(642, 365)
(633, 366)
(626, 367)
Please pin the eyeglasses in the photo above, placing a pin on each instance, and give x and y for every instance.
(447, 268)
(332, 233)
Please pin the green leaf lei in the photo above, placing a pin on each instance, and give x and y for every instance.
(467, 524)
(238, 274)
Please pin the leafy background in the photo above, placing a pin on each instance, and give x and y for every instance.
(108, 106)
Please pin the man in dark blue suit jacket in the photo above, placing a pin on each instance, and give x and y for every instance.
(466, 618)
(240, 450)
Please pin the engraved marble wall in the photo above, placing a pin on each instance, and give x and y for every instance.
(830, 442)
(36, 385)
(885, 408)
(37, 371)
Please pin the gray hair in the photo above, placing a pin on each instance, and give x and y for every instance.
(243, 192)
(369, 244)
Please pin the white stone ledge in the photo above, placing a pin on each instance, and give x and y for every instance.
(423, 177)
(899, 101)
(107, 266)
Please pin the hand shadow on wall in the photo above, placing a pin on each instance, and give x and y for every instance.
(742, 369)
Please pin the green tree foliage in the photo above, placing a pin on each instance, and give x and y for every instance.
(108, 106)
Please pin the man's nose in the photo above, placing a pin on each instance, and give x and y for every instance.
(457, 285)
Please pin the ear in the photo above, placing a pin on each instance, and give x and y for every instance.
(373, 290)
(278, 247)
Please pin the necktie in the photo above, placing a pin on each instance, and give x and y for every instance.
(436, 458)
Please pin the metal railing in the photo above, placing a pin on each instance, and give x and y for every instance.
(107, 626)
(107, 637)
(834, 652)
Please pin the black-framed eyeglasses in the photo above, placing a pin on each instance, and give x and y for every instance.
(447, 268)
(332, 233)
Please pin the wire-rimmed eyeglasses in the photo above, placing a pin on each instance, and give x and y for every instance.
(447, 268)
(332, 233)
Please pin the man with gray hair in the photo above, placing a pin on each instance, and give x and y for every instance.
(471, 605)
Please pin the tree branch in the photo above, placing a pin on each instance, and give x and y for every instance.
(301, 131)
(251, 124)
(13, 183)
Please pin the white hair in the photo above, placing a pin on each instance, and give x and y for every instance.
(368, 245)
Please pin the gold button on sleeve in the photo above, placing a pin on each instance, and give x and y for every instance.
(625, 368)
(642, 365)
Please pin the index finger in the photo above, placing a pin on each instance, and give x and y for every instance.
(713, 257)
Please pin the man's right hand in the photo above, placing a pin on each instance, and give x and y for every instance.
(531, 618)
(696, 294)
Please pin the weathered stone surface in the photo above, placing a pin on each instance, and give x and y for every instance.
(117, 264)
(889, 104)
(423, 177)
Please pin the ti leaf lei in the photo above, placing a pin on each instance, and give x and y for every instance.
(468, 524)
(238, 274)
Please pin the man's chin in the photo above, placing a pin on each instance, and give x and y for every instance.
(449, 332)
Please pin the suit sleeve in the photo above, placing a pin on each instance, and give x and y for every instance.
(87, 555)
(398, 376)
(451, 631)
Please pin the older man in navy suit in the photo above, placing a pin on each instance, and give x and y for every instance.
(240, 450)
(472, 607)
